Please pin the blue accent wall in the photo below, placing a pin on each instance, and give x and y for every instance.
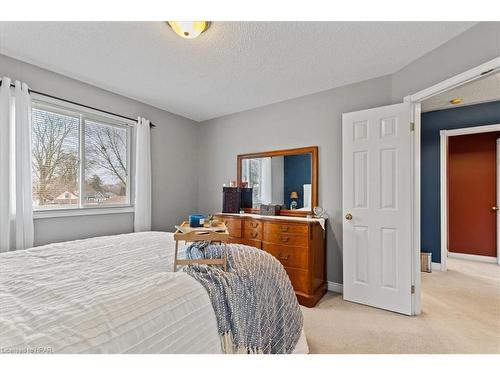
(297, 173)
(432, 123)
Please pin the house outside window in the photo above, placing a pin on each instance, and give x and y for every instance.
(79, 159)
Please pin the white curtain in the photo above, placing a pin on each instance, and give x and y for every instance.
(307, 196)
(142, 216)
(16, 207)
(266, 180)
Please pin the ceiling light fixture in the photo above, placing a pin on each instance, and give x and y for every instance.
(456, 101)
(189, 29)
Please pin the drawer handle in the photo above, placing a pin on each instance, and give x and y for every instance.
(283, 257)
(284, 228)
(254, 234)
(254, 225)
(285, 239)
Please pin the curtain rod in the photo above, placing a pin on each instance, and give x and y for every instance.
(151, 125)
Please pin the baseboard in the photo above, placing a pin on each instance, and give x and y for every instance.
(339, 288)
(475, 258)
(436, 266)
(335, 287)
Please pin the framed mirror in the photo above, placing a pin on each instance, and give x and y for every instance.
(285, 177)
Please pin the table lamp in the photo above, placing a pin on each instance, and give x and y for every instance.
(293, 196)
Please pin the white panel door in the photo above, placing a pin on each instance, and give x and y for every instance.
(377, 207)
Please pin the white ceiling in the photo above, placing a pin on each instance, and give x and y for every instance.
(232, 67)
(486, 89)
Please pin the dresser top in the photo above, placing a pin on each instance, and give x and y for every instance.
(277, 217)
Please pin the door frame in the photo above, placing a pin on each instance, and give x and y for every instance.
(416, 99)
(444, 135)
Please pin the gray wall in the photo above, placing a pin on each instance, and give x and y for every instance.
(307, 121)
(174, 183)
(473, 47)
(316, 120)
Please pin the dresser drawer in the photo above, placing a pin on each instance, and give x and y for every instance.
(253, 225)
(252, 229)
(245, 241)
(234, 232)
(286, 228)
(286, 239)
(299, 278)
(289, 256)
(234, 240)
(233, 225)
(249, 242)
(252, 234)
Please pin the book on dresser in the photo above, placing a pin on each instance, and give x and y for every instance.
(298, 243)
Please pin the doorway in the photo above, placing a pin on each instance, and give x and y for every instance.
(469, 198)
(459, 118)
(382, 167)
(459, 161)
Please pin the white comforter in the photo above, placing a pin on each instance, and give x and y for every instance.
(112, 294)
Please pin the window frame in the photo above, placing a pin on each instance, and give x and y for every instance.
(84, 114)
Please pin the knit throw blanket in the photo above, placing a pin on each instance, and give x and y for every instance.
(256, 308)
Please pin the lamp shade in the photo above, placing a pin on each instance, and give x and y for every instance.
(294, 195)
(189, 29)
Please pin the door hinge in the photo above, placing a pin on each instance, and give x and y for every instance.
(413, 289)
(412, 126)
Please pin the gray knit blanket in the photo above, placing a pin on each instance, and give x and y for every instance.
(256, 308)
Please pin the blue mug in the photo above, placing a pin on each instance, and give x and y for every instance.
(196, 220)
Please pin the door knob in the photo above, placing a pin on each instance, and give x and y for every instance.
(494, 208)
(348, 216)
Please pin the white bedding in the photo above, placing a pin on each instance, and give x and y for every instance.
(113, 294)
(104, 295)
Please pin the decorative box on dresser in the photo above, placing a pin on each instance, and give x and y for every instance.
(298, 243)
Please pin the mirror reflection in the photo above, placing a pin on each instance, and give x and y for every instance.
(283, 180)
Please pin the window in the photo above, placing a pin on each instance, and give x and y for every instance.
(252, 173)
(80, 160)
(105, 163)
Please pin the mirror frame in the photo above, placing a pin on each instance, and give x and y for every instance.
(313, 150)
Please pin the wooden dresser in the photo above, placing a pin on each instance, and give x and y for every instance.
(298, 243)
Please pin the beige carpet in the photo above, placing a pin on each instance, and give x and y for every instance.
(460, 314)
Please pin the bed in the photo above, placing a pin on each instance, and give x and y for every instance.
(114, 294)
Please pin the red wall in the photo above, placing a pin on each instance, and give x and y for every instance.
(472, 193)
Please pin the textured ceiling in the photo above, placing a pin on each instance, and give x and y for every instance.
(232, 67)
(481, 90)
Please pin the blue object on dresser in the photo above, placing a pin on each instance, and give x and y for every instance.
(196, 220)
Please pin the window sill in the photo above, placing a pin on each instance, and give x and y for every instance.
(45, 214)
